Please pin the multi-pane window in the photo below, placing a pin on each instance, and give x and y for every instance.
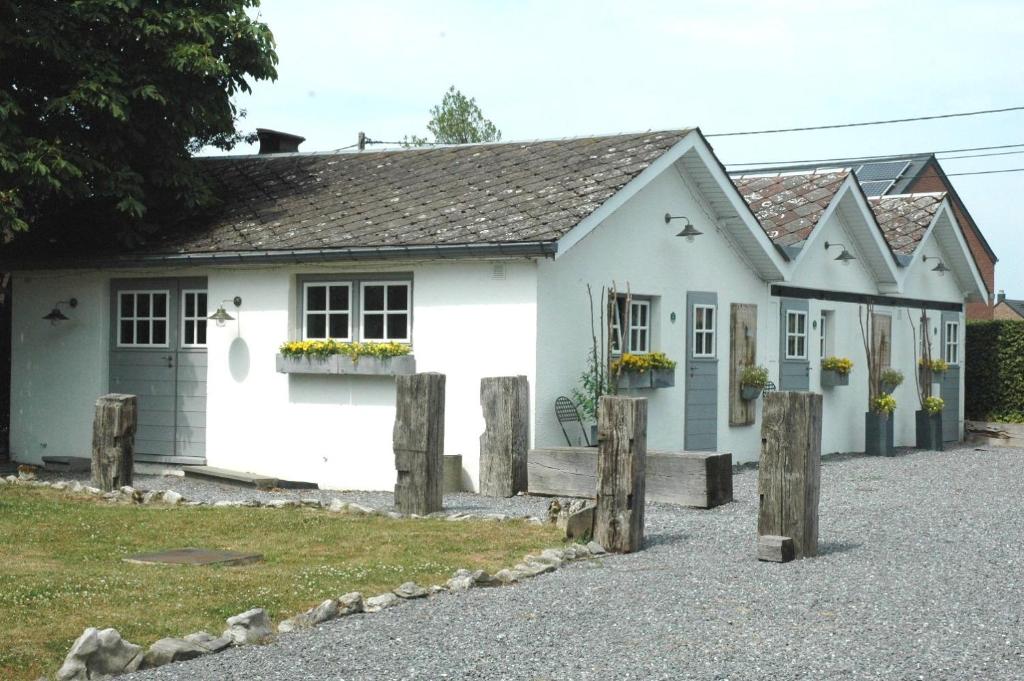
(637, 323)
(328, 311)
(952, 349)
(824, 338)
(385, 311)
(796, 334)
(193, 327)
(142, 318)
(703, 330)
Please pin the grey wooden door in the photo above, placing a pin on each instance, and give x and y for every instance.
(794, 346)
(949, 383)
(158, 352)
(701, 417)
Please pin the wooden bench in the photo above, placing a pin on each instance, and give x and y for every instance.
(698, 479)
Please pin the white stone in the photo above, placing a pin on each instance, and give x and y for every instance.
(508, 576)
(410, 590)
(171, 497)
(595, 549)
(350, 604)
(168, 650)
(337, 506)
(60, 485)
(209, 641)
(359, 509)
(99, 653)
(251, 626)
(378, 603)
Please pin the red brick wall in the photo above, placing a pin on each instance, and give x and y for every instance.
(1004, 311)
(931, 181)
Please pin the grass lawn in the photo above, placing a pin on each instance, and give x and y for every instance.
(61, 569)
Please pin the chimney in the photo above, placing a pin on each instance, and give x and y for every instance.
(361, 141)
(1000, 297)
(275, 142)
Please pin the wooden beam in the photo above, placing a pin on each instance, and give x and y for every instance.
(622, 453)
(775, 549)
(506, 438)
(418, 439)
(113, 441)
(742, 353)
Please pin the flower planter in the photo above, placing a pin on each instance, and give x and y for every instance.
(929, 430)
(750, 392)
(878, 434)
(663, 378)
(342, 365)
(634, 380)
(888, 388)
(831, 378)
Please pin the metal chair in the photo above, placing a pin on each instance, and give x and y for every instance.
(566, 412)
(768, 387)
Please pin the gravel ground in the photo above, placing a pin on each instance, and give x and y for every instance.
(919, 577)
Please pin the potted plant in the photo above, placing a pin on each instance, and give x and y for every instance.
(878, 427)
(649, 370)
(891, 379)
(753, 380)
(929, 424)
(835, 371)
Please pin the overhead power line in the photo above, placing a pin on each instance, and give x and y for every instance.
(873, 158)
(994, 153)
(987, 172)
(867, 123)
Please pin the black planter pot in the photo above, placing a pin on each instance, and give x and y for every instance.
(929, 430)
(878, 434)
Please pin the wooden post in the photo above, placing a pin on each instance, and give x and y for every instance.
(789, 473)
(113, 441)
(418, 440)
(621, 464)
(506, 438)
(742, 353)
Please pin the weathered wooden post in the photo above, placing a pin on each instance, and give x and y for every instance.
(621, 468)
(113, 441)
(418, 440)
(789, 475)
(506, 438)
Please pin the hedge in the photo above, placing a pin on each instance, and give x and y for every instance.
(994, 371)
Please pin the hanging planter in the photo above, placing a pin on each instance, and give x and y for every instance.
(929, 424)
(890, 380)
(835, 371)
(753, 380)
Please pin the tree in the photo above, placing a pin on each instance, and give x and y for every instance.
(458, 120)
(103, 103)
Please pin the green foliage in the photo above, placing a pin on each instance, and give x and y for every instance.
(642, 363)
(994, 371)
(933, 405)
(840, 365)
(102, 103)
(317, 349)
(457, 120)
(592, 384)
(892, 378)
(938, 365)
(754, 377)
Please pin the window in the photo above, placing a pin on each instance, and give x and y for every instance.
(385, 311)
(796, 334)
(351, 310)
(142, 318)
(638, 325)
(327, 311)
(826, 334)
(952, 349)
(703, 330)
(193, 328)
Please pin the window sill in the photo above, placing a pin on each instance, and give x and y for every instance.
(655, 378)
(340, 365)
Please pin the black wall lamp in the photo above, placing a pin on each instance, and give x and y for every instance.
(221, 315)
(844, 256)
(939, 267)
(56, 315)
(689, 231)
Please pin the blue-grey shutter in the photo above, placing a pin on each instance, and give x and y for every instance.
(794, 374)
(701, 417)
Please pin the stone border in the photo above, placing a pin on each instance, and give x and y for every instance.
(104, 652)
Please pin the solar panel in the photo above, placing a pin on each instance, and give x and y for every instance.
(887, 170)
(876, 188)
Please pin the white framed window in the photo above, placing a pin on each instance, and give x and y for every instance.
(385, 307)
(796, 334)
(327, 311)
(952, 349)
(825, 335)
(637, 323)
(704, 330)
(193, 318)
(142, 318)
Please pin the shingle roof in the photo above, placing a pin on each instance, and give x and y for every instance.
(789, 205)
(488, 193)
(904, 219)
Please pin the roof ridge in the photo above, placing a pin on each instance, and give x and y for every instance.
(816, 171)
(904, 196)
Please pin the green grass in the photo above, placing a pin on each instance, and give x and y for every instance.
(61, 569)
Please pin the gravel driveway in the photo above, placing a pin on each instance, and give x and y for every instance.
(920, 577)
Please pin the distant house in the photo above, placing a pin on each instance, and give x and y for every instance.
(914, 174)
(1008, 309)
(479, 257)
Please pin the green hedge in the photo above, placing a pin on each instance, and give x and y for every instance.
(994, 371)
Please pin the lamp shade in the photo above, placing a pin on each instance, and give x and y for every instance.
(221, 316)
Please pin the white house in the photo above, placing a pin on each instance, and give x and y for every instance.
(479, 256)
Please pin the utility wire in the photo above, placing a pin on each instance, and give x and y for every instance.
(994, 153)
(987, 172)
(873, 158)
(866, 123)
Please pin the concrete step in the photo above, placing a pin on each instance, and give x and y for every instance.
(232, 477)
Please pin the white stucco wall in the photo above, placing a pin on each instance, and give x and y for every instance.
(336, 430)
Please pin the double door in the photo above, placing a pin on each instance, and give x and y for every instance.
(158, 353)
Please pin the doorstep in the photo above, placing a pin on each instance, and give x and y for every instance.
(244, 478)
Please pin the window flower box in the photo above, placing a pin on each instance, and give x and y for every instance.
(831, 378)
(649, 370)
(635, 380)
(342, 365)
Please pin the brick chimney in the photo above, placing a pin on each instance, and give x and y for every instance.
(1000, 297)
(276, 142)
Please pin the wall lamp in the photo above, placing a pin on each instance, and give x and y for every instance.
(689, 231)
(844, 256)
(221, 315)
(56, 315)
(939, 267)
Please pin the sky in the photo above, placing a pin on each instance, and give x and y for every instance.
(549, 69)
